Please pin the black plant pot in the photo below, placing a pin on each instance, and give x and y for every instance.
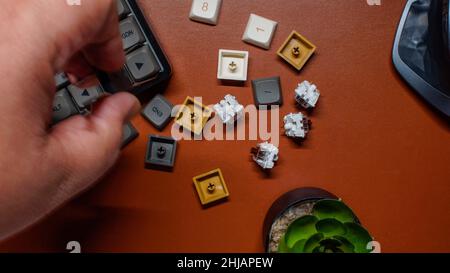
(288, 200)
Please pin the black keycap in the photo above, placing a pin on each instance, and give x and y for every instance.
(267, 91)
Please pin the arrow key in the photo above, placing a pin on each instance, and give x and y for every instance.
(142, 64)
(85, 96)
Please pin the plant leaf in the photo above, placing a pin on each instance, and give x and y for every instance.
(300, 229)
(282, 247)
(346, 246)
(313, 243)
(358, 236)
(299, 246)
(335, 209)
(332, 245)
(331, 227)
(319, 249)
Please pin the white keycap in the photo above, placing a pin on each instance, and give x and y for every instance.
(206, 11)
(259, 31)
(233, 65)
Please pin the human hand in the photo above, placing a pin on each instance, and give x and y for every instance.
(41, 167)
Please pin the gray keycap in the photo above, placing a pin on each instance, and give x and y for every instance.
(130, 32)
(84, 97)
(129, 134)
(161, 152)
(158, 112)
(267, 91)
(122, 8)
(142, 64)
(63, 106)
(119, 81)
(61, 81)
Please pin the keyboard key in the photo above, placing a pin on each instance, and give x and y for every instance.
(130, 32)
(259, 31)
(129, 134)
(158, 112)
(193, 116)
(211, 187)
(161, 153)
(136, 33)
(142, 64)
(233, 65)
(61, 81)
(119, 81)
(63, 106)
(205, 11)
(296, 50)
(122, 9)
(267, 91)
(84, 97)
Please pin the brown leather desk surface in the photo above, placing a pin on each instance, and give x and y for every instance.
(374, 143)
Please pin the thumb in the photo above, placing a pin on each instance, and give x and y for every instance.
(86, 147)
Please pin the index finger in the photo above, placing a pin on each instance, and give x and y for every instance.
(59, 30)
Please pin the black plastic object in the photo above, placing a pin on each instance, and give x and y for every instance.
(123, 80)
(446, 26)
(161, 153)
(267, 92)
(421, 52)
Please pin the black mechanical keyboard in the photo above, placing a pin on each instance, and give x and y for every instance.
(146, 67)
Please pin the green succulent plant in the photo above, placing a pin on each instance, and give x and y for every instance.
(331, 228)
